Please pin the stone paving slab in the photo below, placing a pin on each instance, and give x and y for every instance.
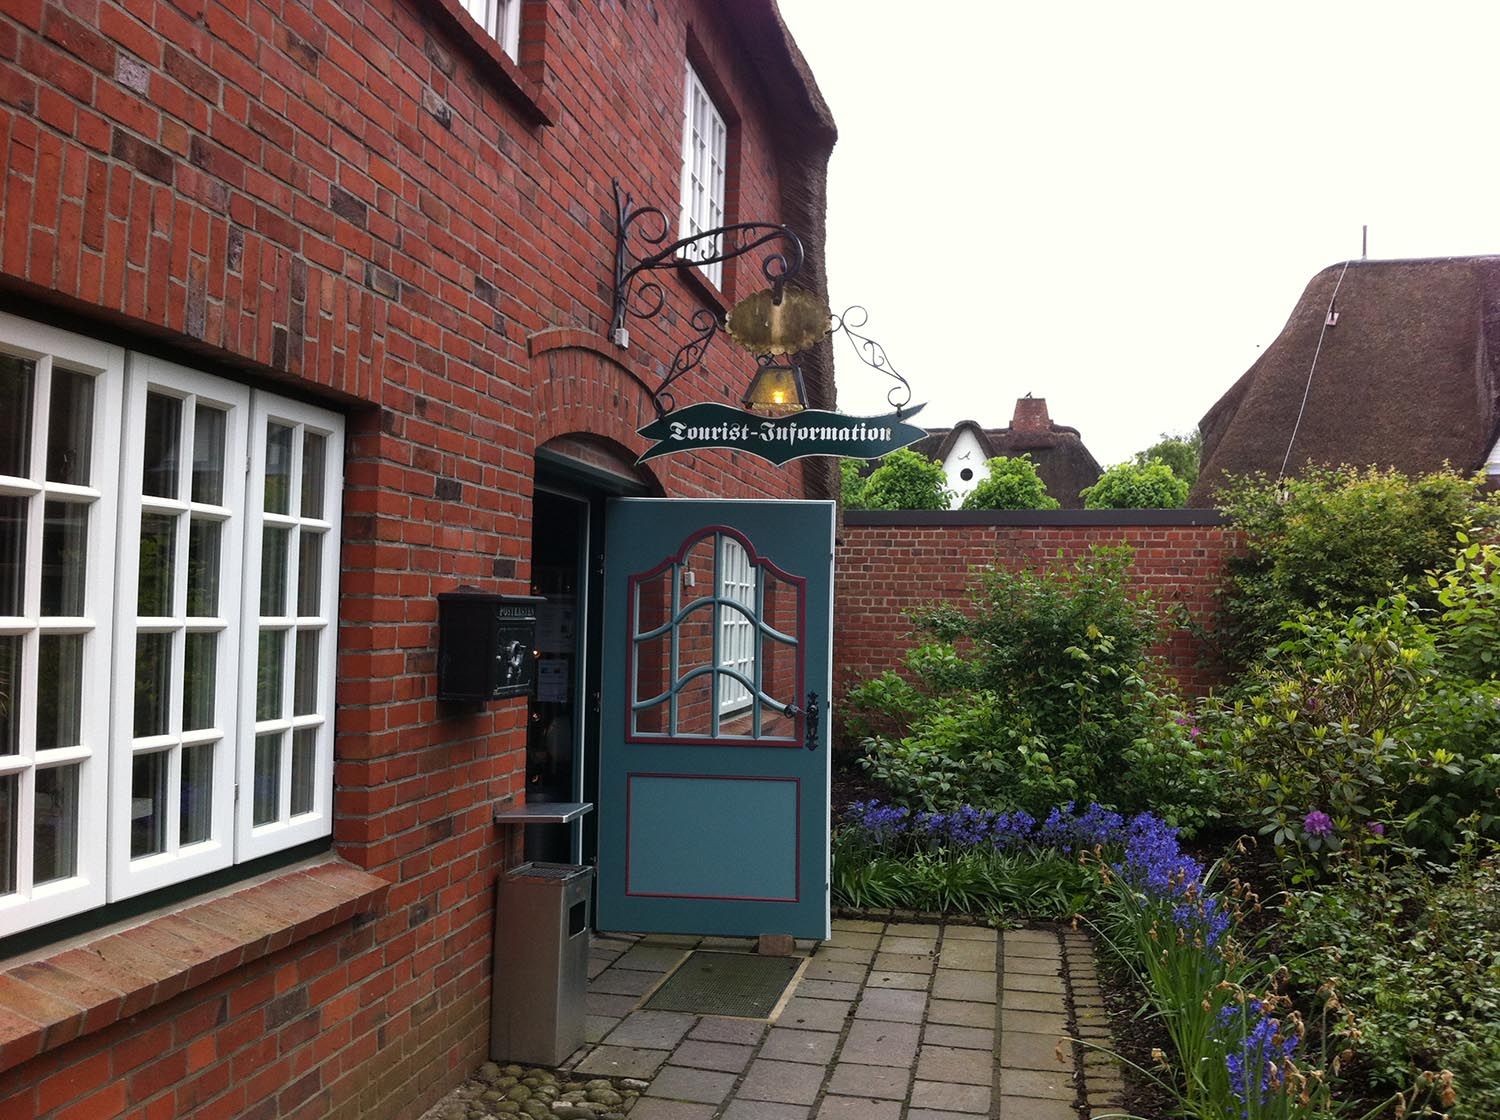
(889, 1020)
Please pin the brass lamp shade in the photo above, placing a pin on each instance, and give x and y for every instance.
(776, 387)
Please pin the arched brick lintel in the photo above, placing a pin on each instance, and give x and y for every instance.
(580, 383)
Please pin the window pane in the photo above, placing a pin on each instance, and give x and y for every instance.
(65, 537)
(55, 830)
(163, 434)
(153, 684)
(268, 674)
(267, 777)
(158, 548)
(274, 543)
(195, 823)
(203, 567)
(309, 573)
(59, 699)
(314, 448)
(10, 817)
(12, 555)
(10, 683)
(70, 427)
(17, 376)
(148, 804)
(208, 455)
(305, 674)
(278, 468)
(304, 768)
(199, 672)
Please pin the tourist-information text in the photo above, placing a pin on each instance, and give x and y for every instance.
(780, 439)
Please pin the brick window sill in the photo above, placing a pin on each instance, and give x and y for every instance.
(518, 87)
(60, 993)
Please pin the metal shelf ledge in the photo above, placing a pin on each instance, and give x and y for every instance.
(547, 812)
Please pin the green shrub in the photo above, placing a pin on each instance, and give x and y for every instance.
(851, 483)
(905, 480)
(1010, 484)
(1336, 540)
(1180, 453)
(1042, 691)
(1137, 486)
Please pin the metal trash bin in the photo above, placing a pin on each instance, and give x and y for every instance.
(541, 963)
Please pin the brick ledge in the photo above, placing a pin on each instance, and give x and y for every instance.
(62, 992)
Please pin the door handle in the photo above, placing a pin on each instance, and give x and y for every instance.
(810, 728)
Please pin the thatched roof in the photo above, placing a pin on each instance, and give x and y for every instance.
(1063, 462)
(1408, 377)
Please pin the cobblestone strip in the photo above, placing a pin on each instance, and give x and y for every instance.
(1103, 1080)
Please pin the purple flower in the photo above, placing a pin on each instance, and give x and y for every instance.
(1376, 828)
(1317, 823)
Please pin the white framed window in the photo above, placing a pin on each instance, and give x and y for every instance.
(156, 525)
(705, 139)
(182, 538)
(287, 648)
(59, 397)
(737, 628)
(501, 19)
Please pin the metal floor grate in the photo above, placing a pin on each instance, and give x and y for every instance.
(739, 984)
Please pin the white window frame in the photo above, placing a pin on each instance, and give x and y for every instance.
(110, 627)
(737, 583)
(286, 830)
(31, 905)
(130, 877)
(705, 142)
(501, 20)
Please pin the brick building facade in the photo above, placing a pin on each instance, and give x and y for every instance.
(368, 246)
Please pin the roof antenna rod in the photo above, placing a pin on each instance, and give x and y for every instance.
(1364, 242)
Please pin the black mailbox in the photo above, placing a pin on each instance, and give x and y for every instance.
(485, 644)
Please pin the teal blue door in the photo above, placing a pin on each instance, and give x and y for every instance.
(713, 755)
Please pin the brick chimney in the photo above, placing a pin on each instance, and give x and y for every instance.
(1031, 415)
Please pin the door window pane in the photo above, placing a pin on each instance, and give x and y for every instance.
(305, 674)
(17, 376)
(274, 543)
(148, 804)
(163, 434)
(304, 768)
(153, 684)
(10, 819)
(278, 468)
(65, 536)
(12, 555)
(267, 777)
(309, 573)
(203, 567)
(268, 674)
(208, 455)
(314, 450)
(158, 548)
(199, 672)
(70, 427)
(59, 692)
(55, 830)
(196, 810)
(10, 684)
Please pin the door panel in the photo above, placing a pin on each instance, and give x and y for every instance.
(714, 763)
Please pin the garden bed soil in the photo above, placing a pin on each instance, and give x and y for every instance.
(1136, 1034)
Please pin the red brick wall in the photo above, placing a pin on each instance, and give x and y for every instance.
(887, 565)
(355, 199)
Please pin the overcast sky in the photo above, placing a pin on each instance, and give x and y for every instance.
(1116, 205)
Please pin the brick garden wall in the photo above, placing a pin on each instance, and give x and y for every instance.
(889, 563)
(361, 201)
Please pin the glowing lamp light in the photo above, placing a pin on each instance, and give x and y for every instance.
(776, 387)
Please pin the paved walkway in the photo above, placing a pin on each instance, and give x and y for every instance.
(888, 1020)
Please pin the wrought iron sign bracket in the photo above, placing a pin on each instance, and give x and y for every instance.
(637, 294)
(849, 323)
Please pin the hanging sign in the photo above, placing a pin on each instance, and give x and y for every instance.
(780, 439)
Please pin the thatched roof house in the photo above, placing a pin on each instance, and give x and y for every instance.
(1408, 376)
(1063, 462)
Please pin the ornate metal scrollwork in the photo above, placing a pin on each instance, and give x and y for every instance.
(872, 354)
(637, 294)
